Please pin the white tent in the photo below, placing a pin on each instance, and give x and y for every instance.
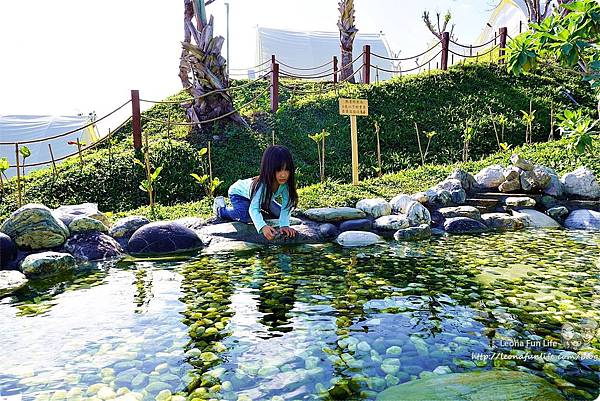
(305, 49)
(24, 128)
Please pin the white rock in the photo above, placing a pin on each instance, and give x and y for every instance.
(392, 222)
(400, 202)
(535, 219)
(583, 219)
(10, 281)
(417, 214)
(357, 238)
(522, 201)
(332, 214)
(490, 177)
(581, 182)
(375, 207)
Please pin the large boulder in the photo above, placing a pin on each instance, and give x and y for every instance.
(438, 197)
(502, 222)
(93, 246)
(11, 281)
(47, 264)
(581, 183)
(33, 226)
(350, 239)
(356, 225)
(328, 230)
(554, 187)
(490, 177)
(417, 214)
(521, 163)
(69, 212)
(82, 224)
(400, 202)
(334, 214)
(510, 186)
(535, 180)
(450, 184)
(163, 237)
(512, 173)
(375, 207)
(461, 211)
(8, 251)
(464, 225)
(583, 219)
(124, 228)
(533, 218)
(413, 233)
(467, 181)
(558, 213)
(475, 386)
(392, 222)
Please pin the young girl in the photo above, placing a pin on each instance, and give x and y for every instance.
(248, 197)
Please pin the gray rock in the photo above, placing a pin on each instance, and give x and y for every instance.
(334, 214)
(47, 264)
(490, 177)
(583, 220)
(464, 225)
(392, 222)
(450, 184)
(558, 212)
(85, 224)
(125, 227)
(413, 233)
(512, 173)
(548, 201)
(93, 246)
(11, 281)
(351, 239)
(519, 201)
(535, 180)
(400, 202)
(307, 233)
(356, 225)
(461, 211)
(33, 226)
(417, 214)
(467, 181)
(420, 197)
(554, 187)
(521, 163)
(8, 251)
(459, 196)
(510, 186)
(196, 223)
(69, 212)
(328, 230)
(502, 222)
(438, 197)
(163, 237)
(581, 183)
(375, 207)
(533, 218)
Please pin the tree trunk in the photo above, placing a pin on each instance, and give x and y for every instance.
(202, 69)
(347, 33)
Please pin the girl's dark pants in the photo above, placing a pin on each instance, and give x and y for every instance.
(240, 210)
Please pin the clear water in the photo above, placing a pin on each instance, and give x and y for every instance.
(310, 322)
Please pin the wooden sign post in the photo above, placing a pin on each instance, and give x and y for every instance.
(353, 108)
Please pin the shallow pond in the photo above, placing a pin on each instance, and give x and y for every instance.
(310, 322)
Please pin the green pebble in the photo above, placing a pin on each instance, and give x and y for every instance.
(267, 371)
(209, 356)
(139, 380)
(157, 387)
(393, 350)
(363, 346)
(163, 395)
(311, 362)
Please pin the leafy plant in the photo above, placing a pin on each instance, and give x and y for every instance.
(206, 181)
(319, 139)
(527, 119)
(429, 135)
(578, 128)
(502, 120)
(147, 185)
(3, 167)
(25, 153)
(468, 134)
(378, 170)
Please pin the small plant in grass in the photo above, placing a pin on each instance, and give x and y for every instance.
(3, 167)
(319, 139)
(147, 185)
(25, 153)
(206, 181)
(378, 168)
(468, 134)
(527, 120)
(429, 135)
(505, 146)
(578, 128)
(502, 120)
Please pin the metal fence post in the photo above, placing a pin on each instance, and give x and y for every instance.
(274, 85)
(335, 69)
(136, 119)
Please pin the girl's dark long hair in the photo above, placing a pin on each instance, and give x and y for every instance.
(275, 158)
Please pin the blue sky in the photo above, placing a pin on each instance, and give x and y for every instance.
(69, 56)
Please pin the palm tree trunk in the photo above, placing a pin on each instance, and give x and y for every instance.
(347, 33)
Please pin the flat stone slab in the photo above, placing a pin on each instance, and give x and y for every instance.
(502, 222)
(11, 281)
(535, 219)
(519, 201)
(475, 386)
(460, 211)
(334, 214)
(583, 220)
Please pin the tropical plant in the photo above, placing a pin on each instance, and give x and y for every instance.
(527, 119)
(429, 135)
(319, 139)
(25, 153)
(147, 185)
(3, 167)
(347, 33)
(468, 134)
(206, 181)
(578, 128)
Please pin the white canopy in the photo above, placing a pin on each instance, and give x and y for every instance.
(306, 49)
(23, 128)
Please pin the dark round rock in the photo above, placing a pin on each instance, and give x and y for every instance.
(93, 246)
(163, 237)
(356, 225)
(8, 251)
(328, 230)
(437, 219)
(464, 225)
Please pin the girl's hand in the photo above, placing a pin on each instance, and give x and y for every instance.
(269, 232)
(288, 232)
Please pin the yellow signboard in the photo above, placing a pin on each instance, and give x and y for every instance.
(354, 107)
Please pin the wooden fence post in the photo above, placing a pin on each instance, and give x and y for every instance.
(503, 34)
(136, 119)
(274, 85)
(366, 76)
(335, 69)
(445, 47)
